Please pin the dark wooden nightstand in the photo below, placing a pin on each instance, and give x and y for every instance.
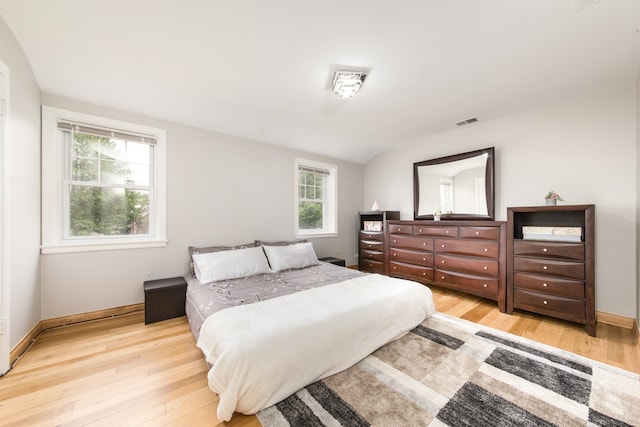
(335, 261)
(164, 299)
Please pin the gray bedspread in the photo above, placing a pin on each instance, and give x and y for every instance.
(204, 300)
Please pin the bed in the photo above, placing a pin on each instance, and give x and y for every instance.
(270, 319)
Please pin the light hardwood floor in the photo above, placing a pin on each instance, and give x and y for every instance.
(122, 372)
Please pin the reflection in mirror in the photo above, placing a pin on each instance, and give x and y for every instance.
(459, 186)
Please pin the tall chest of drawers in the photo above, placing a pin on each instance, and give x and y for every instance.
(551, 269)
(467, 256)
(371, 239)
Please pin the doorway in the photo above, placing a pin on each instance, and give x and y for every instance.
(4, 291)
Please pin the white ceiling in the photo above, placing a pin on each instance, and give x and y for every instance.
(261, 69)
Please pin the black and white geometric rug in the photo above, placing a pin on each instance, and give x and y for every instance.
(452, 372)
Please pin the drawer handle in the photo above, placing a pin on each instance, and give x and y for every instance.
(443, 261)
(395, 241)
(544, 249)
(424, 274)
(545, 303)
(447, 232)
(395, 254)
(484, 285)
(424, 259)
(477, 233)
(443, 246)
(370, 255)
(370, 235)
(424, 243)
(369, 245)
(395, 268)
(545, 267)
(544, 285)
(486, 249)
(420, 230)
(399, 229)
(442, 277)
(486, 268)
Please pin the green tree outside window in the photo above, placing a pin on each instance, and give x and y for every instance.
(107, 192)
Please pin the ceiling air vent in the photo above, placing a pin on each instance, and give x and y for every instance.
(467, 121)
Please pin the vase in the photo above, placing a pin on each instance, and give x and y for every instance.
(551, 202)
(436, 217)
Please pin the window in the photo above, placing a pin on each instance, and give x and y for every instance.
(316, 198)
(103, 183)
(481, 196)
(446, 195)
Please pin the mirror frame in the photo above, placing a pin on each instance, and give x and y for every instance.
(489, 185)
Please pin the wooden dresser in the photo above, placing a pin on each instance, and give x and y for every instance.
(551, 253)
(371, 239)
(468, 256)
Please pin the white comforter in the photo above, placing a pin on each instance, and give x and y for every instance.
(261, 353)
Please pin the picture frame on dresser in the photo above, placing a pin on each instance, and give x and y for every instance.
(551, 262)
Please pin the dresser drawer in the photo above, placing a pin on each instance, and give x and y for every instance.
(488, 233)
(482, 267)
(411, 257)
(371, 266)
(574, 251)
(552, 305)
(488, 249)
(568, 269)
(550, 285)
(372, 235)
(414, 272)
(366, 255)
(400, 229)
(467, 283)
(425, 230)
(400, 241)
(372, 245)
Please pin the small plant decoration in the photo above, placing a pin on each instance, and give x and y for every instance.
(552, 195)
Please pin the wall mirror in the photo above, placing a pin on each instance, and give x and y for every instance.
(460, 186)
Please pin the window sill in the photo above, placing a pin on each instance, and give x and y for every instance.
(100, 246)
(315, 235)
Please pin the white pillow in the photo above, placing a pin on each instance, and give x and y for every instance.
(232, 264)
(299, 255)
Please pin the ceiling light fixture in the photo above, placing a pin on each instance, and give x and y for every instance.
(347, 83)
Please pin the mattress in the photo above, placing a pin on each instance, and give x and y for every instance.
(261, 353)
(205, 299)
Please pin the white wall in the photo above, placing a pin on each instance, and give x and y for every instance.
(585, 149)
(220, 190)
(23, 182)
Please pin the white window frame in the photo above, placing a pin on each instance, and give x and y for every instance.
(54, 221)
(447, 198)
(330, 211)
